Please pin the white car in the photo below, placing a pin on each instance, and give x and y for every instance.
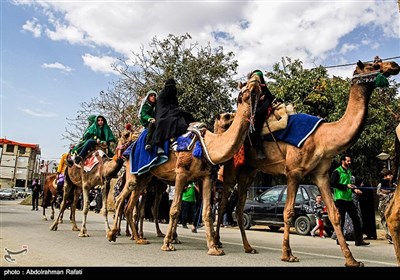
(8, 193)
(21, 193)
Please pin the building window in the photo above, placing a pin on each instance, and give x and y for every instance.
(10, 148)
(21, 150)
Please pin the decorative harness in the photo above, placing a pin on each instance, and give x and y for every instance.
(375, 77)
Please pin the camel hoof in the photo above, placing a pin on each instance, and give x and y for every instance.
(160, 234)
(167, 247)
(75, 228)
(44, 218)
(53, 227)
(218, 244)
(176, 241)
(355, 264)
(290, 259)
(142, 241)
(51, 217)
(111, 236)
(60, 222)
(251, 251)
(83, 234)
(215, 252)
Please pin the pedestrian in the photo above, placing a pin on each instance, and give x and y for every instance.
(318, 212)
(343, 188)
(385, 191)
(35, 194)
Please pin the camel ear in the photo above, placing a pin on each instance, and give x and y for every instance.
(240, 85)
(360, 64)
(218, 116)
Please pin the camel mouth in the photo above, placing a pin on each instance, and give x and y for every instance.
(394, 70)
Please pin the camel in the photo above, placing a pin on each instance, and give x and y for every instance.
(182, 167)
(392, 213)
(313, 158)
(80, 181)
(49, 194)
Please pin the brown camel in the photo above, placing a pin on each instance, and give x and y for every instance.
(182, 167)
(392, 213)
(80, 181)
(49, 194)
(313, 158)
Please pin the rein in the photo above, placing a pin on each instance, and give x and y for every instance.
(252, 108)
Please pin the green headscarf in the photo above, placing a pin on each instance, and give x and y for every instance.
(94, 131)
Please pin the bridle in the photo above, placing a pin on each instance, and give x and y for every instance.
(253, 95)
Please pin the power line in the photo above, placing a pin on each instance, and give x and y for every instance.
(349, 64)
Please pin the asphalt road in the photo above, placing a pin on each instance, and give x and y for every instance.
(24, 230)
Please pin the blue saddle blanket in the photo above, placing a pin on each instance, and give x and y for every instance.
(141, 160)
(299, 127)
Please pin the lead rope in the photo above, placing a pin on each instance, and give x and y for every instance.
(276, 142)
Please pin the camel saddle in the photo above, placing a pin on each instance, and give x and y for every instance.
(278, 118)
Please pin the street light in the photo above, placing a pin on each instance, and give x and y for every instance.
(384, 156)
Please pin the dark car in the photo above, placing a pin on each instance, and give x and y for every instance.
(267, 209)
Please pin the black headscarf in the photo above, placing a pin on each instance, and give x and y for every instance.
(171, 121)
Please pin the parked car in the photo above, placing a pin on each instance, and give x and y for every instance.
(21, 193)
(8, 193)
(267, 209)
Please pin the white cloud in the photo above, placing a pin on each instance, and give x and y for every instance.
(57, 66)
(100, 63)
(34, 27)
(347, 47)
(260, 33)
(38, 113)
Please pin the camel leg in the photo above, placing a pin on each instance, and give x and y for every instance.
(131, 204)
(324, 186)
(52, 203)
(229, 183)
(392, 215)
(104, 209)
(67, 190)
(180, 182)
(77, 193)
(85, 191)
(44, 218)
(156, 207)
(245, 177)
(288, 214)
(141, 212)
(119, 207)
(207, 218)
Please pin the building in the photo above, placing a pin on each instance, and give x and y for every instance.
(19, 163)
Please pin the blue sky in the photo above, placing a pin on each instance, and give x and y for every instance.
(57, 54)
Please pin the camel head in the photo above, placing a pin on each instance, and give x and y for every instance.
(250, 91)
(222, 122)
(387, 68)
(126, 137)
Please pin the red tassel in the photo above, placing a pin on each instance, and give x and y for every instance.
(128, 126)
